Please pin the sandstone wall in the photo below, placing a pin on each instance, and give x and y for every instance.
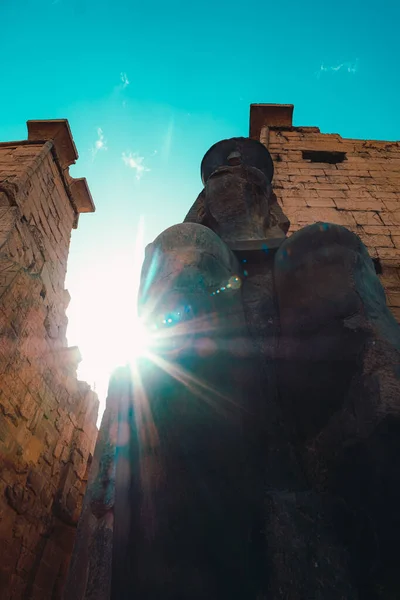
(47, 417)
(324, 177)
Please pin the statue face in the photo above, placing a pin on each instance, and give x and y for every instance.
(237, 201)
(237, 176)
(238, 197)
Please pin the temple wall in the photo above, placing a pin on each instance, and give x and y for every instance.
(355, 183)
(47, 417)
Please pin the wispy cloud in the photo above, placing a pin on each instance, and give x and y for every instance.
(167, 142)
(100, 144)
(135, 162)
(125, 80)
(347, 67)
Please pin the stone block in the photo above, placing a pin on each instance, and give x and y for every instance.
(357, 203)
(26, 560)
(37, 417)
(332, 183)
(78, 462)
(376, 229)
(8, 217)
(46, 576)
(11, 549)
(327, 215)
(58, 449)
(327, 193)
(295, 202)
(391, 205)
(6, 431)
(47, 495)
(391, 218)
(297, 192)
(18, 587)
(389, 253)
(306, 179)
(20, 498)
(396, 313)
(22, 529)
(82, 443)
(393, 298)
(383, 241)
(322, 201)
(72, 500)
(33, 449)
(368, 218)
(28, 407)
(8, 410)
(35, 481)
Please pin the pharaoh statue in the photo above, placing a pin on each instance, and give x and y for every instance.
(251, 452)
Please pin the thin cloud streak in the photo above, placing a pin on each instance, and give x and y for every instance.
(135, 162)
(100, 144)
(167, 143)
(347, 67)
(125, 80)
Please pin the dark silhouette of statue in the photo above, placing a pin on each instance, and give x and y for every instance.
(252, 452)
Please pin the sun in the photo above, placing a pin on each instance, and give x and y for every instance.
(103, 318)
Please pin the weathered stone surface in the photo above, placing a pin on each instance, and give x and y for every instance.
(304, 559)
(36, 217)
(90, 571)
(361, 193)
(185, 478)
(339, 382)
(254, 452)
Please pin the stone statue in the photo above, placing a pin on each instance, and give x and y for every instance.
(251, 453)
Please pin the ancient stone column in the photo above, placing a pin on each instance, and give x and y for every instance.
(47, 417)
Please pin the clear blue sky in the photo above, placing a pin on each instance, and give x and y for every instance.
(148, 87)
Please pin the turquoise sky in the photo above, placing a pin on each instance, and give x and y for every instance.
(148, 87)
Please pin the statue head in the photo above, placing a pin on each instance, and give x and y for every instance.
(237, 152)
(238, 201)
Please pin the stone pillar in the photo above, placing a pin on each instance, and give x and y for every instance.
(47, 417)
